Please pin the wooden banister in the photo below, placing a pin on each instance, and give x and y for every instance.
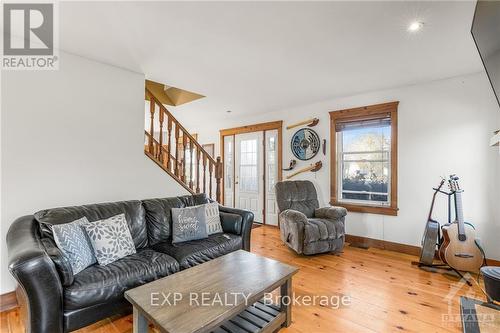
(175, 164)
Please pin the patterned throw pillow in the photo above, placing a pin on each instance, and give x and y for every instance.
(74, 243)
(110, 239)
(212, 216)
(188, 224)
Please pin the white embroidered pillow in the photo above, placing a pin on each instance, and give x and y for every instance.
(212, 216)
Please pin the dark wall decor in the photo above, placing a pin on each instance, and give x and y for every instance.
(305, 144)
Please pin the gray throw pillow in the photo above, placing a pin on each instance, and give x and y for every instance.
(188, 224)
(212, 216)
(74, 244)
(110, 239)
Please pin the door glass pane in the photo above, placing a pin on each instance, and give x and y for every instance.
(271, 164)
(228, 162)
(248, 166)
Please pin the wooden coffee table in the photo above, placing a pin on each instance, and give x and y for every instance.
(222, 295)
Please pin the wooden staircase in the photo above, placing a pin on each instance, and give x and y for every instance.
(179, 154)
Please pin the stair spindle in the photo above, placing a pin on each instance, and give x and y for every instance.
(160, 139)
(191, 157)
(210, 171)
(204, 173)
(176, 166)
(152, 125)
(169, 140)
(183, 166)
(198, 154)
(218, 177)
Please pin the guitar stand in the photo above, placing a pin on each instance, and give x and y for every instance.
(444, 266)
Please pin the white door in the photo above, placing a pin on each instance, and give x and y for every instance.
(249, 180)
(271, 147)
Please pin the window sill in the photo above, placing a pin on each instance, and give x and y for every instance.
(392, 211)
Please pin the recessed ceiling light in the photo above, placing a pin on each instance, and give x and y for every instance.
(415, 26)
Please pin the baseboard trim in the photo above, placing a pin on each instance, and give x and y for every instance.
(382, 244)
(361, 241)
(492, 262)
(8, 301)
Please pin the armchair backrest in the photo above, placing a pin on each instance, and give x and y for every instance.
(297, 195)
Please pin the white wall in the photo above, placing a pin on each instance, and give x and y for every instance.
(444, 128)
(70, 137)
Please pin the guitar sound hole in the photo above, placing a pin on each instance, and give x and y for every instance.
(464, 255)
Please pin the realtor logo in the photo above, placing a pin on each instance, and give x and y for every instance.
(29, 36)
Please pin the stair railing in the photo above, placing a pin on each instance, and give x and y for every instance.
(186, 161)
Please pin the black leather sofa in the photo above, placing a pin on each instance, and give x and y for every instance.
(54, 301)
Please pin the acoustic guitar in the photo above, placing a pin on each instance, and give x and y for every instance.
(431, 233)
(459, 249)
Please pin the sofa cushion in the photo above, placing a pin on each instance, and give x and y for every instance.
(159, 218)
(195, 252)
(298, 195)
(212, 215)
(110, 239)
(134, 213)
(100, 284)
(74, 243)
(189, 223)
(322, 229)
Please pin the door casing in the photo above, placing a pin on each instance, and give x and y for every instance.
(261, 127)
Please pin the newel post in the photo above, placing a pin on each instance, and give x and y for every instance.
(218, 177)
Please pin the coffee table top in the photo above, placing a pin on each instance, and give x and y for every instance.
(200, 298)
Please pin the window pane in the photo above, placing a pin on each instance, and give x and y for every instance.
(366, 171)
(366, 139)
(365, 164)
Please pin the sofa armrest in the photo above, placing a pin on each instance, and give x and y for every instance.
(292, 224)
(330, 213)
(36, 274)
(62, 263)
(233, 225)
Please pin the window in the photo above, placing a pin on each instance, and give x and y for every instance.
(364, 159)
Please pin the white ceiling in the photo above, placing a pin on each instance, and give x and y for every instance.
(258, 57)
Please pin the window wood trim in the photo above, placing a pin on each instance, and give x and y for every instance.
(359, 114)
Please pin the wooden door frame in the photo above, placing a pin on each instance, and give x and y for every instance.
(261, 127)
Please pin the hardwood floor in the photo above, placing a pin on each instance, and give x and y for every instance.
(386, 292)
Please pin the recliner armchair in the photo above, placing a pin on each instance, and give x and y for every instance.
(304, 226)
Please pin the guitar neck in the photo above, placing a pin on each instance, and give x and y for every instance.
(460, 214)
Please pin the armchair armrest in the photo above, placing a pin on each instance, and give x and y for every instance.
(241, 224)
(330, 213)
(292, 224)
(36, 274)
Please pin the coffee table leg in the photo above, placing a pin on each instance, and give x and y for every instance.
(286, 290)
(140, 322)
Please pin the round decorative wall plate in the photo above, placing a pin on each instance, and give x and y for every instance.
(305, 144)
